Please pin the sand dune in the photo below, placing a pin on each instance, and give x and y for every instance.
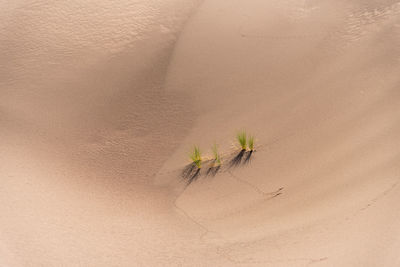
(102, 101)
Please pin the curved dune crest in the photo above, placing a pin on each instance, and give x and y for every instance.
(102, 103)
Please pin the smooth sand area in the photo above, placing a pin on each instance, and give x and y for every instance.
(101, 102)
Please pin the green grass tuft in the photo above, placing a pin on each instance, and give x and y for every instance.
(195, 156)
(251, 143)
(242, 139)
(217, 157)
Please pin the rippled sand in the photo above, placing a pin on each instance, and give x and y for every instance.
(102, 101)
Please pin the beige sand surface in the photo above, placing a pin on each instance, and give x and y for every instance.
(101, 102)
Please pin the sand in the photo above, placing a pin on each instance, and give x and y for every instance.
(101, 102)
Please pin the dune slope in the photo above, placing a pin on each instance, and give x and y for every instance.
(318, 85)
(101, 104)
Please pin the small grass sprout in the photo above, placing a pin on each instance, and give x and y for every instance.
(195, 156)
(242, 139)
(217, 156)
(251, 142)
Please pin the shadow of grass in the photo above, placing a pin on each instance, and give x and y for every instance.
(213, 170)
(237, 160)
(247, 157)
(190, 172)
(242, 158)
(193, 177)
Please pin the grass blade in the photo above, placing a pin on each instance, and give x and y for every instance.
(242, 139)
(195, 156)
(251, 143)
(217, 157)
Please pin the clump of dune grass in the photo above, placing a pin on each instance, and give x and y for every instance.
(217, 157)
(242, 139)
(195, 156)
(251, 142)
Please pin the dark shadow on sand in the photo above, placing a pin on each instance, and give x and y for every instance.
(213, 170)
(190, 173)
(193, 177)
(242, 158)
(247, 157)
(188, 170)
(237, 160)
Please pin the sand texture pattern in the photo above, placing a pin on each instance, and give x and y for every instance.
(101, 102)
